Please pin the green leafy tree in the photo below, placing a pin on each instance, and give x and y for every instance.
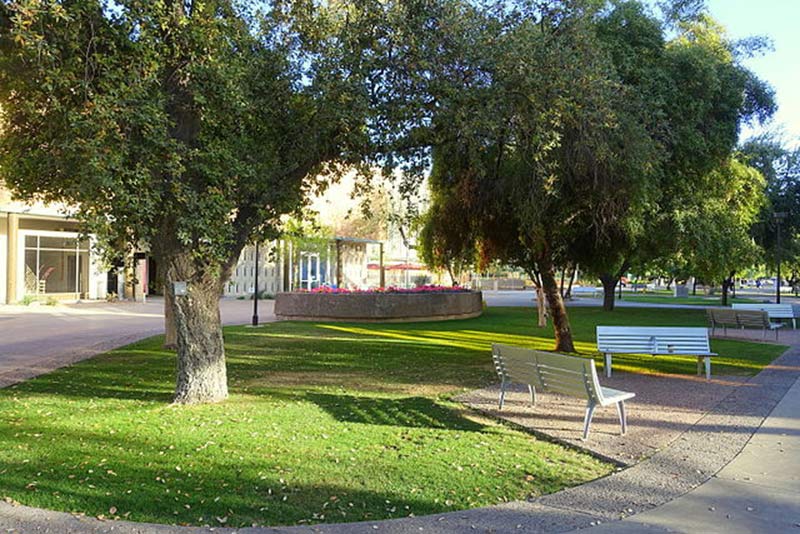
(781, 168)
(446, 234)
(188, 128)
(542, 146)
(715, 232)
(697, 95)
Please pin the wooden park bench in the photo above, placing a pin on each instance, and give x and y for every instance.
(742, 319)
(657, 341)
(721, 317)
(775, 311)
(555, 373)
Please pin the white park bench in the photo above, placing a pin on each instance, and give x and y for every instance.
(556, 373)
(657, 341)
(775, 311)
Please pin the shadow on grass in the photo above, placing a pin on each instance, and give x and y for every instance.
(416, 412)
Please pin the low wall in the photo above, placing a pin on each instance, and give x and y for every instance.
(378, 307)
(498, 284)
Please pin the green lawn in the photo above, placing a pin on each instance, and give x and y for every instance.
(326, 422)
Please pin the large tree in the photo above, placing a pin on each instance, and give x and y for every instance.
(780, 166)
(698, 94)
(715, 231)
(184, 127)
(542, 145)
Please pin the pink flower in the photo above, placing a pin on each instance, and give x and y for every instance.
(389, 289)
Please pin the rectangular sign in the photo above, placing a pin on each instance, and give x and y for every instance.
(179, 289)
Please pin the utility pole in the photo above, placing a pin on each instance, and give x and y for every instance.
(779, 217)
(255, 291)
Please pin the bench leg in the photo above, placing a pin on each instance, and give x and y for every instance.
(623, 418)
(607, 357)
(587, 419)
(706, 365)
(502, 395)
(532, 391)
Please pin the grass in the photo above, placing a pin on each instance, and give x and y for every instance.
(326, 422)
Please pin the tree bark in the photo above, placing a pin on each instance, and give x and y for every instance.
(609, 285)
(201, 371)
(561, 327)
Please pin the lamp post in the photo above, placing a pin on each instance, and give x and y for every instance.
(779, 217)
(255, 292)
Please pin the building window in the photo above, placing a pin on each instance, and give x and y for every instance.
(55, 264)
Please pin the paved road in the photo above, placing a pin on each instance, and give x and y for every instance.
(528, 298)
(37, 339)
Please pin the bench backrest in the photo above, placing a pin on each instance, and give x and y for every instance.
(775, 311)
(653, 340)
(754, 318)
(726, 316)
(548, 372)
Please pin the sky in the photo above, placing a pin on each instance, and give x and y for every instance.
(777, 19)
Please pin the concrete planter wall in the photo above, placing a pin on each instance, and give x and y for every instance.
(378, 307)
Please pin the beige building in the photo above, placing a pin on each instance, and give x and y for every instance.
(285, 265)
(42, 255)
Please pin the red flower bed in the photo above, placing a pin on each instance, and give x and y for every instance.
(390, 289)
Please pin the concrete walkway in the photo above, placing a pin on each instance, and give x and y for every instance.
(37, 339)
(758, 491)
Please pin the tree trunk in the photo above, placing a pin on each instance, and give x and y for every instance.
(609, 284)
(558, 311)
(540, 307)
(541, 310)
(201, 372)
(727, 283)
(170, 332)
(571, 281)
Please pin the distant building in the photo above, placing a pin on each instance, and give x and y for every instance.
(42, 255)
(287, 265)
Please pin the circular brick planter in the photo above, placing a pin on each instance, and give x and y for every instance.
(378, 307)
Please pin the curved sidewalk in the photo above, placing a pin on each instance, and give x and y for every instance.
(758, 491)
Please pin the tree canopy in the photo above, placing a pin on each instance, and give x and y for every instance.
(592, 134)
(185, 128)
